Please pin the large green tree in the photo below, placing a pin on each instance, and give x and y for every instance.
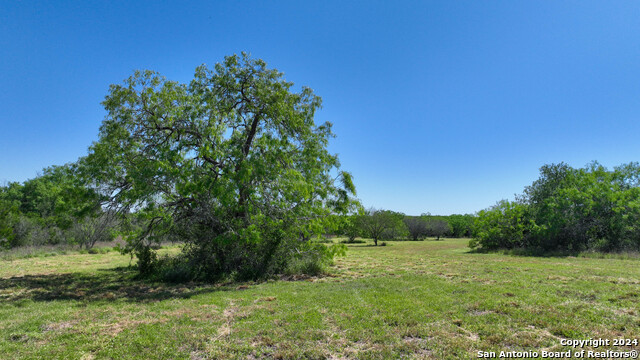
(233, 163)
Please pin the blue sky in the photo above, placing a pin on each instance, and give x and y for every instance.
(442, 107)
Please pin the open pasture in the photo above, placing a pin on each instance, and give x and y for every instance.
(430, 299)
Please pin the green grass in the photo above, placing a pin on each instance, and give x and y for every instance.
(428, 299)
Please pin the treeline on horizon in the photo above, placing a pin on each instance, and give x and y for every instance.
(379, 224)
(566, 209)
(56, 208)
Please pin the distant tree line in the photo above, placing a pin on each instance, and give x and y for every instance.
(378, 224)
(567, 209)
(52, 209)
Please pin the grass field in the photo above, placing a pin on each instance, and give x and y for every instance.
(430, 299)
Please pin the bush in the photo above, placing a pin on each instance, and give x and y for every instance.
(568, 210)
(174, 269)
(182, 268)
(461, 225)
(103, 250)
(437, 228)
(354, 241)
(29, 232)
(92, 229)
(305, 266)
(507, 225)
(147, 260)
(381, 224)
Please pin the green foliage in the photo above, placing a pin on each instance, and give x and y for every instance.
(461, 225)
(381, 224)
(505, 225)
(456, 225)
(47, 210)
(147, 260)
(231, 163)
(568, 209)
(92, 229)
(349, 226)
(416, 227)
(310, 259)
(437, 228)
(314, 262)
(8, 215)
(356, 241)
(57, 197)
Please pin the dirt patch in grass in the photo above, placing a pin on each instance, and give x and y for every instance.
(60, 326)
(114, 329)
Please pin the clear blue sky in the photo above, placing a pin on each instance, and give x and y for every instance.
(443, 106)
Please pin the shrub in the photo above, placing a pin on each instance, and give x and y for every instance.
(92, 229)
(505, 225)
(147, 260)
(181, 268)
(568, 209)
(354, 241)
(175, 269)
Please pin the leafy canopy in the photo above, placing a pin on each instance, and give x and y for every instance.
(43, 210)
(568, 209)
(233, 157)
(380, 224)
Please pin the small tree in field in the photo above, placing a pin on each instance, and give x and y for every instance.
(437, 228)
(232, 163)
(377, 224)
(416, 226)
(349, 226)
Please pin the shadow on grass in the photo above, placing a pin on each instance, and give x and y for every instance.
(526, 252)
(103, 285)
(621, 255)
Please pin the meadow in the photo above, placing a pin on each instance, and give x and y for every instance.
(406, 300)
